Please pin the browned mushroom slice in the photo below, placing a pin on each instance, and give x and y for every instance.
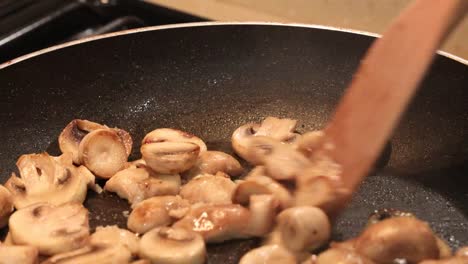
(93, 253)
(271, 254)
(156, 212)
(103, 153)
(398, 238)
(6, 205)
(304, 228)
(71, 136)
(272, 127)
(112, 235)
(281, 161)
(170, 157)
(211, 162)
(342, 256)
(138, 184)
(217, 223)
(18, 254)
(45, 179)
(174, 246)
(52, 229)
(206, 188)
(259, 184)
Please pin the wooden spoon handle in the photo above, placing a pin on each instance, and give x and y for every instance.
(384, 84)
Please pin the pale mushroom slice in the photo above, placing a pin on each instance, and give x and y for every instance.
(206, 188)
(170, 157)
(404, 238)
(281, 161)
(138, 184)
(71, 136)
(211, 162)
(44, 178)
(173, 245)
(93, 253)
(304, 228)
(18, 254)
(156, 212)
(278, 129)
(52, 229)
(342, 256)
(263, 209)
(269, 254)
(259, 184)
(103, 152)
(112, 235)
(6, 205)
(167, 150)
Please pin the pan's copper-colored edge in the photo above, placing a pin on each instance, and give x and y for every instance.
(202, 24)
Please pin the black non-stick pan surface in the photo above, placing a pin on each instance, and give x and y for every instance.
(210, 79)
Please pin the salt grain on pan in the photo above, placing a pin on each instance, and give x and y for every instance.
(125, 213)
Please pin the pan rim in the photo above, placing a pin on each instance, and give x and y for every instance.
(205, 24)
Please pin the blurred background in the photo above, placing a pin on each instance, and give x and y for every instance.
(29, 25)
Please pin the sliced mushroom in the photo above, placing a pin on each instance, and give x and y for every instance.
(45, 179)
(341, 256)
(270, 254)
(103, 152)
(318, 187)
(168, 150)
(157, 212)
(206, 188)
(462, 252)
(93, 253)
(398, 238)
(260, 184)
(138, 184)
(304, 228)
(217, 223)
(52, 229)
(173, 246)
(275, 128)
(6, 205)
(281, 161)
(263, 210)
(112, 235)
(18, 254)
(211, 162)
(310, 143)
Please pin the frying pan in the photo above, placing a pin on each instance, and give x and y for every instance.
(210, 78)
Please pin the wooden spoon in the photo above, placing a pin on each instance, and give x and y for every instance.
(384, 84)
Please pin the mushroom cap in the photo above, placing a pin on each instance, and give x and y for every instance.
(211, 162)
(138, 184)
(112, 235)
(304, 228)
(47, 179)
(103, 152)
(174, 246)
(399, 237)
(71, 136)
(269, 254)
(341, 256)
(217, 223)
(278, 129)
(52, 229)
(172, 135)
(206, 188)
(6, 205)
(156, 212)
(93, 253)
(170, 157)
(18, 254)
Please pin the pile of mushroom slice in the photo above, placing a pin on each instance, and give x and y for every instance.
(184, 196)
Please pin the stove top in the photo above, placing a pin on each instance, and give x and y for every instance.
(30, 25)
